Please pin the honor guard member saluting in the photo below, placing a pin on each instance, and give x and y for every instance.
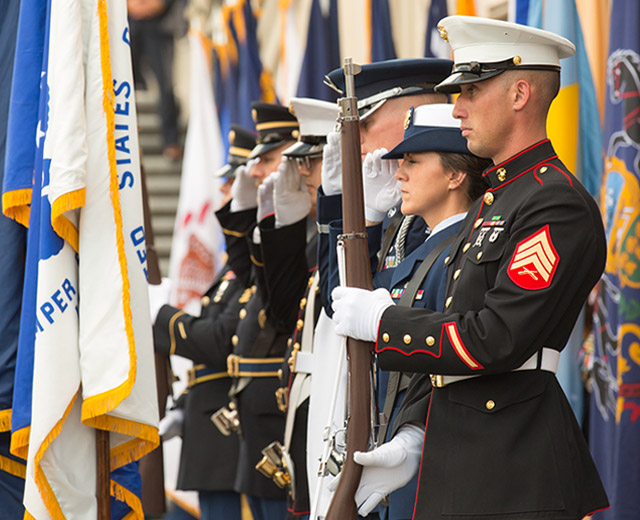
(385, 90)
(208, 459)
(501, 440)
(316, 119)
(260, 340)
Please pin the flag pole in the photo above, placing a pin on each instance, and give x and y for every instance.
(103, 477)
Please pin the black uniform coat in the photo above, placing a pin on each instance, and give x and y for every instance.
(506, 445)
(263, 333)
(208, 459)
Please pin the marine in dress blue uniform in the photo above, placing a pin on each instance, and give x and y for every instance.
(501, 440)
(208, 459)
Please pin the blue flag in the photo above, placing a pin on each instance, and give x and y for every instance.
(321, 54)
(435, 46)
(614, 359)
(12, 257)
(382, 47)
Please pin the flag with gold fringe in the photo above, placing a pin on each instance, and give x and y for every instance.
(613, 358)
(85, 329)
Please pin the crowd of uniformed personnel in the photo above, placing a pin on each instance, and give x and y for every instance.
(484, 248)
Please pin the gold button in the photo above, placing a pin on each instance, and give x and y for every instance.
(490, 404)
(317, 288)
(543, 169)
(303, 302)
(488, 198)
(280, 374)
(299, 324)
(262, 318)
(430, 341)
(385, 337)
(456, 274)
(289, 341)
(448, 302)
(296, 346)
(242, 314)
(477, 223)
(310, 282)
(205, 300)
(234, 340)
(479, 255)
(254, 288)
(466, 247)
(446, 260)
(502, 174)
(406, 339)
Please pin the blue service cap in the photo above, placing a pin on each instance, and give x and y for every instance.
(430, 128)
(384, 80)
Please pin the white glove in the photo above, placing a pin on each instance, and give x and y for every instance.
(388, 467)
(244, 192)
(265, 197)
(291, 197)
(357, 312)
(171, 424)
(158, 296)
(332, 165)
(381, 188)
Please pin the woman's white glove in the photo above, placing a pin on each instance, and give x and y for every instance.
(388, 467)
(244, 192)
(265, 197)
(381, 188)
(171, 424)
(331, 173)
(357, 312)
(290, 197)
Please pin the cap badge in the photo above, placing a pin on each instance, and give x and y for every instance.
(407, 118)
(517, 60)
(443, 33)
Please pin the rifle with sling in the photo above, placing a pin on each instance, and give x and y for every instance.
(358, 274)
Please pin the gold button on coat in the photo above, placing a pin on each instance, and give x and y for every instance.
(448, 302)
(242, 314)
(299, 324)
(406, 339)
(456, 274)
(466, 247)
(543, 169)
(205, 300)
(446, 260)
(385, 337)
(234, 340)
(303, 302)
(430, 341)
(488, 198)
(490, 404)
(477, 223)
(479, 255)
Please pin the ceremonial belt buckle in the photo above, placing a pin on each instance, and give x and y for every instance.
(282, 398)
(437, 380)
(274, 466)
(233, 365)
(226, 419)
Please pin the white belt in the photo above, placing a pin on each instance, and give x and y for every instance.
(549, 362)
(304, 363)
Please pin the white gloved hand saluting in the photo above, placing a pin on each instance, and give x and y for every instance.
(357, 312)
(171, 424)
(381, 188)
(291, 197)
(265, 197)
(388, 467)
(332, 165)
(244, 192)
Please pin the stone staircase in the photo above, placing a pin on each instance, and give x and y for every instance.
(162, 175)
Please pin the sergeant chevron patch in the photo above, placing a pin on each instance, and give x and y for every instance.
(534, 261)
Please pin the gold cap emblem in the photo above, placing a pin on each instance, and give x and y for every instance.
(502, 174)
(443, 33)
(407, 119)
(517, 60)
(295, 134)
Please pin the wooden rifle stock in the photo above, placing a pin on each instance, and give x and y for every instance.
(358, 274)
